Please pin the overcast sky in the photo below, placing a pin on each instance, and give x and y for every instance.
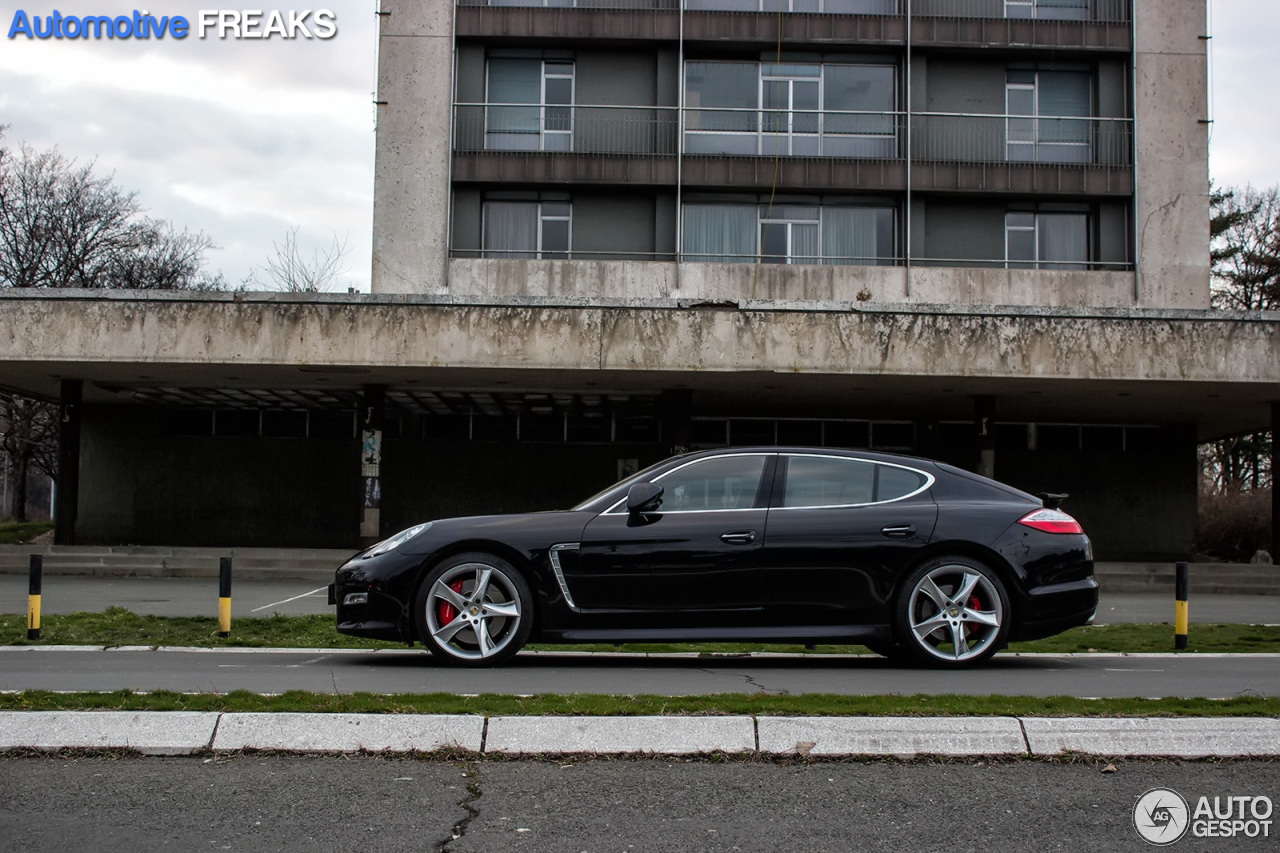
(247, 139)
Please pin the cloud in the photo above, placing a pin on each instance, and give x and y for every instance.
(240, 139)
(1245, 92)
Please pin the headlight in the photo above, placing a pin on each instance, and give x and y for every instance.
(395, 541)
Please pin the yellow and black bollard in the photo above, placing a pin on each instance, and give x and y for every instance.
(1180, 606)
(34, 583)
(224, 597)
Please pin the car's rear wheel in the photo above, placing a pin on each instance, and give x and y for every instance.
(474, 609)
(953, 613)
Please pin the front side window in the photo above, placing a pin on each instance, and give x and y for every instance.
(527, 229)
(789, 234)
(1049, 116)
(530, 105)
(723, 482)
(1049, 241)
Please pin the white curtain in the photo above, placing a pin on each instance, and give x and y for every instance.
(1064, 241)
(511, 229)
(805, 245)
(720, 232)
(849, 235)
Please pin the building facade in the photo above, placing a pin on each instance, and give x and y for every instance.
(607, 230)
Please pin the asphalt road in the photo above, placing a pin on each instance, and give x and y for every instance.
(250, 598)
(266, 803)
(393, 671)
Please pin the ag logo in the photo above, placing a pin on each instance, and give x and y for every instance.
(1161, 816)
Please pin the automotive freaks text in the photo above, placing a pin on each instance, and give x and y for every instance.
(219, 23)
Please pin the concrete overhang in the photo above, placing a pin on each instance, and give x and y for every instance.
(1216, 370)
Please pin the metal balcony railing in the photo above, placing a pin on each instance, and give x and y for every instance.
(576, 129)
(1108, 11)
(968, 138)
(654, 131)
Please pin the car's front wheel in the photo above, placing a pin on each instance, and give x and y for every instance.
(474, 609)
(953, 612)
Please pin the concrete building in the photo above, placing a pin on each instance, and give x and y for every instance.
(974, 230)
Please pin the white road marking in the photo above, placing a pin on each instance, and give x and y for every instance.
(287, 600)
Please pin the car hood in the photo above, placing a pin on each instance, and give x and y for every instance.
(524, 531)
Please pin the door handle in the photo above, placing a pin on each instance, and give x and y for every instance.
(738, 537)
(899, 531)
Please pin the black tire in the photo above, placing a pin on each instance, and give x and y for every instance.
(453, 582)
(917, 607)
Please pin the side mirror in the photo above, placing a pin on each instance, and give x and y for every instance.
(644, 497)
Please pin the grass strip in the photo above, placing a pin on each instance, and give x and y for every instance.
(117, 626)
(588, 704)
(22, 532)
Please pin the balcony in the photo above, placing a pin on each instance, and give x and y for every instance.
(792, 149)
(1096, 25)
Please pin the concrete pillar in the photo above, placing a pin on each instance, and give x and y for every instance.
(1172, 153)
(372, 410)
(1275, 482)
(984, 422)
(677, 420)
(412, 157)
(67, 487)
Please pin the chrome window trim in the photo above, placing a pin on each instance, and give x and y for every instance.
(613, 510)
(554, 554)
(929, 480)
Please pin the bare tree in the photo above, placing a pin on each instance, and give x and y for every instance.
(62, 226)
(30, 437)
(1245, 248)
(289, 269)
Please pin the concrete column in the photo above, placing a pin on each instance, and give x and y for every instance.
(1172, 153)
(67, 487)
(412, 158)
(984, 422)
(1275, 482)
(372, 410)
(677, 420)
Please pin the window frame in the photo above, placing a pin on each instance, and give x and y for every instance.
(780, 476)
(1039, 263)
(542, 105)
(539, 251)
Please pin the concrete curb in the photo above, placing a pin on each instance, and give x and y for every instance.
(187, 732)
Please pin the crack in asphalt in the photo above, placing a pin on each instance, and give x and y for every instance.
(472, 773)
(750, 680)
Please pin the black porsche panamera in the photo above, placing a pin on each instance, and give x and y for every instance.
(914, 559)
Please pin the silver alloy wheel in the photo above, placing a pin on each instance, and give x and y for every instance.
(955, 613)
(473, 611)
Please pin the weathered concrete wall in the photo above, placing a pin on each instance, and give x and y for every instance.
(496, 279)
(85, 329)
(1172, 154)
(411, 167)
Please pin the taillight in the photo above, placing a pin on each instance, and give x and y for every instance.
(1051, 521)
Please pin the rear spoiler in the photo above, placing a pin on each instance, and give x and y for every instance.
(1050, 500)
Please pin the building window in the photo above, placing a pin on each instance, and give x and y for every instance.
(791, 109)
(830, 7)
(789, 234)
(1047, 241)
(530, 105)
(1049, 116)
(1056, 10)
(527, 229)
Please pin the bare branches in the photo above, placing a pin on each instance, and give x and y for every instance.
(30, 437)
(1245, 248)
(290, 270)
(60, 226)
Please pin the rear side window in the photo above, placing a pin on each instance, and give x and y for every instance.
(724, 482)
(828, 481)
(814, 481)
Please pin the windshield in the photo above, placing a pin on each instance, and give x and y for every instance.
(636, 477)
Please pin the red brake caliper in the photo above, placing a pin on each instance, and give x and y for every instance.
(974, 603)
(447, 611)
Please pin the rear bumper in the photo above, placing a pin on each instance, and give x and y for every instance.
(1050, 610)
